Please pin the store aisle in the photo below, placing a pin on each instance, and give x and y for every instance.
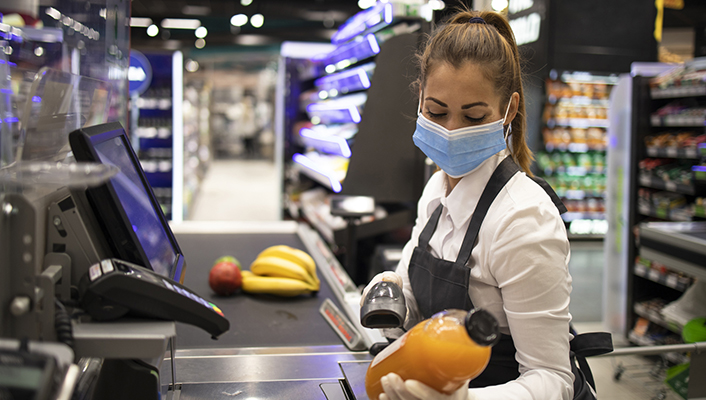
(238, 190)
(246, 190)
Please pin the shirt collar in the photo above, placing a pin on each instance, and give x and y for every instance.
(462, 200)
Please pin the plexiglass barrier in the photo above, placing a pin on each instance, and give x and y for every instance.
(36, 151)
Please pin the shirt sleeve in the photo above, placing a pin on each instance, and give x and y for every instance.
(528, 258)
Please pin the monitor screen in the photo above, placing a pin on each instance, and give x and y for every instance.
(126, 208)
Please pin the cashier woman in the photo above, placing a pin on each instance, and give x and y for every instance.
(471, 123)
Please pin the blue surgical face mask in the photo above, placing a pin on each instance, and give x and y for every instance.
(460, 151)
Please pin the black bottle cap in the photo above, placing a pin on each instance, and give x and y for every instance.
(482, 327)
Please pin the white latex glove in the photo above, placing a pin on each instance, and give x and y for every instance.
(387, 276)
(394, 388)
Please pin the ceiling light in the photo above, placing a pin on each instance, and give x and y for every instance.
(201, 32)
(152, 30)
(191, 65)
(180, 23)
(38, 51)
(246, 2)
(257, 20)
(499, 5)
(239, 20)
(200, 43)
(437, 4)
(140, 22)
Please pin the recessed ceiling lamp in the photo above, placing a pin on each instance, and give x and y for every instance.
(257, 20)
(201, 32)
(239, 20)
(245, 2)
(200, 43)
(191, 65)
(152, 30)
(499, 5)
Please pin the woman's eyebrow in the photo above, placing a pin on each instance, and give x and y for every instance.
(477, 103)
(437, 101)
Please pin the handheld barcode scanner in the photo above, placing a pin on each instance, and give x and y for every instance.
(384, 306)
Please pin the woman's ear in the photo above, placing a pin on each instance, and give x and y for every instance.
(514, 106)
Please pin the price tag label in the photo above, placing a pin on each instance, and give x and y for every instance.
(640, 269)
(672, 280)
(654, 275)
(671, 186)
(672, 152)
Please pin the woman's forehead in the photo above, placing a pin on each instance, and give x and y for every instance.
(464, 84)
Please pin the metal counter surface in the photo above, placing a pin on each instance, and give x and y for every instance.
(276, 348)
(255, 320)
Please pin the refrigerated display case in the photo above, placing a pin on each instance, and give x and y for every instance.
(573, 157)
(655, 198)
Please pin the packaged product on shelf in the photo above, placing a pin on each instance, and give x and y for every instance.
(578, 135)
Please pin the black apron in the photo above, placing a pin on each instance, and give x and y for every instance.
(439, 284)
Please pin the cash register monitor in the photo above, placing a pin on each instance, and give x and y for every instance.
(126, 209)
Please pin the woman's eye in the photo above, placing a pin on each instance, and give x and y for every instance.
(475, 120)
(435, 115)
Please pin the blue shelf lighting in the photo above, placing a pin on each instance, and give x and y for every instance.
(352, 52)
(377, 16)
(347, 81)
(342, 110)
(311, 165)
(329, 143)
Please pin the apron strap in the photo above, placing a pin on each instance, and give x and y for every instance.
(552, 194)
(429, 228)
(500, 177)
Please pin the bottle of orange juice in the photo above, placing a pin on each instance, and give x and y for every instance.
(442, 352)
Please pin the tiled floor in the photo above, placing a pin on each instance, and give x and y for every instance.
(247, 190)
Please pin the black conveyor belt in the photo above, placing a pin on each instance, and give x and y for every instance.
(255, 320)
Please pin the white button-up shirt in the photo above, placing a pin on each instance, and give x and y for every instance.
(519, 273)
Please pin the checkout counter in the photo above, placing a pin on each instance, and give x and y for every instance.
(276, 348)
(65, 231)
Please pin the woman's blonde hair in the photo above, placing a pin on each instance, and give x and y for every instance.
(490, 45)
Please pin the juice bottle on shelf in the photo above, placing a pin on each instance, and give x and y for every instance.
(442, 352)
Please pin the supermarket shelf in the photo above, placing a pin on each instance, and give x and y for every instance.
(681, 245)
(663, 213)
(678, 91)
(685, 121)
(668, 279)
(578, 122)
(655, 317)
(673, 152)
(656, 183)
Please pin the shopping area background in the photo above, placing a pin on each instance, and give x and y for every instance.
(262, 110)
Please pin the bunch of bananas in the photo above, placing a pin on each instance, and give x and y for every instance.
(281, 270)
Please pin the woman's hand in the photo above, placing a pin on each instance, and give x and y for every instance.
(395, 388)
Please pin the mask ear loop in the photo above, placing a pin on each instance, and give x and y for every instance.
(509, 126)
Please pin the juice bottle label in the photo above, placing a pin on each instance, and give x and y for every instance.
(389, 350)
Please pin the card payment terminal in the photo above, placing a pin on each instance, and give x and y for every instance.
(114, 288)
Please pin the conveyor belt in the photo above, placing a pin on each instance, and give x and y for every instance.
(255, 320)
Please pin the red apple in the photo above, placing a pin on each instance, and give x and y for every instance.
(225, 278)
